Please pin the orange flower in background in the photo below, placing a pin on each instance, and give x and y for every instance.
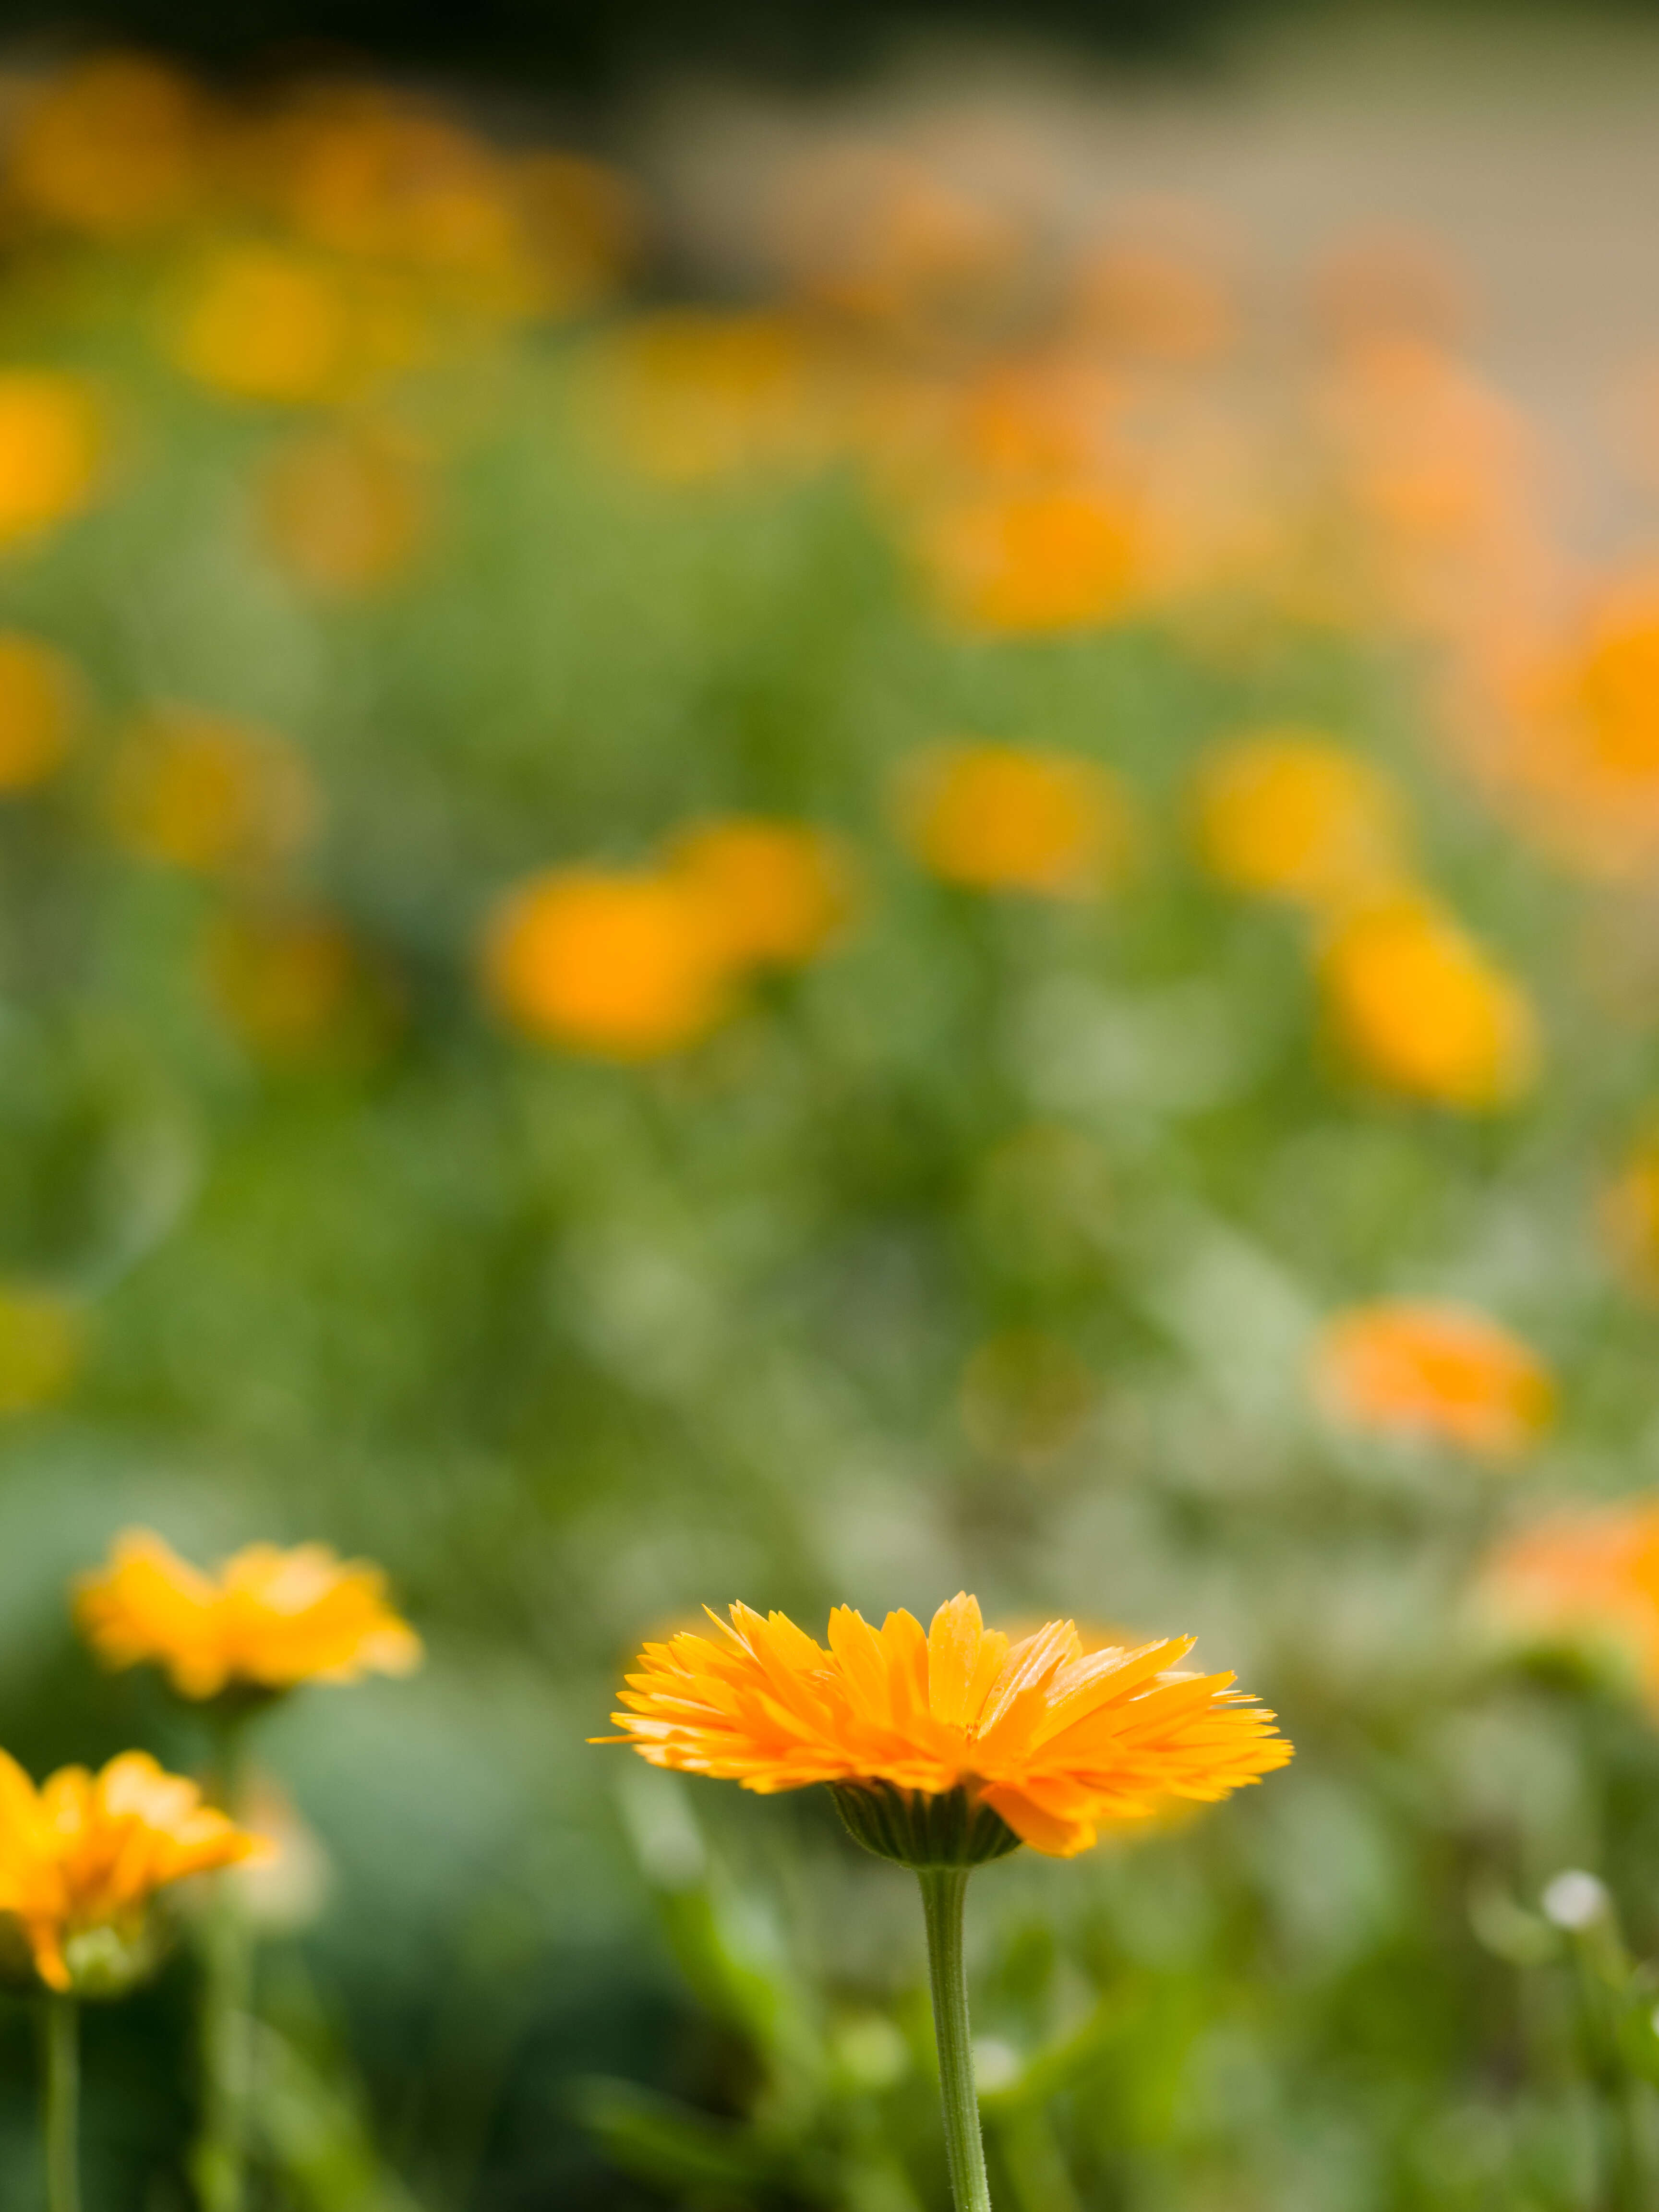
(779, 891)
(51, 440)
(1057, 1743)
(688, 394)
(343, 511)
(115, 147)
(1017, 818)
(40, 700)
(585, 223)
(1288, 814)
(1411, 1369)
(625, 965)
(208, 792)
(267, 1620)
(1630, 1217)
(1168, 301)
(291, 984)
(1587, 1577)
(81, 1856)
(271, 323)
(1034, 563)
(1420, 1007)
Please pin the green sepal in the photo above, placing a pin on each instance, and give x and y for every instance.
(918, 1829)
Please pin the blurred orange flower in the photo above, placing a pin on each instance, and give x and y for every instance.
(779, 891)
(272, 323)
(1409, 1368)
(688, 394)
(268, 1620)
(585, 223)
(1035, 562)
(1587, 1577)
(40, 699)
(344, 510)
(206, 792)
(1420, 1007)
(114, 147)
(1056, 1744)
(52, 440)
(81, 1856)
(624, 964)
(1162, 299)
(1016, 818)
(292, 985)
(1289, 814)
(1629, 1216)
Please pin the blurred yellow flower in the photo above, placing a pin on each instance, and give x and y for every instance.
(1410, 1368)
(274, 322)
(1288, 814)
(1630, 1217)
(81, 1856)
(51, 442)
(208, 792)
(1420, 1007)
(778, 890)
(1001, 818)
(1032, 563)
(625, 965)
(343, 511)
(291, 984)
(40, 699)
(585, 223)
(688, 394)
(114, 147)
(42, 1338)
(269, 1620)
(1586, 1577)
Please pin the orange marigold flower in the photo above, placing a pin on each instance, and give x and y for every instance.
(1419, 1007)
(81, 1856)
(1015, 817)
(1630, 1217)
(626, 965)
(206, 792)
(779, 890)
(1035, 562)
(1054, 1741)
(1287, 814)
(685, 395)
(343, 512)
(1411, 1369)
(115, 147)
(1586, 1577)
(52, 440)
(40, 700)
(270, 1618)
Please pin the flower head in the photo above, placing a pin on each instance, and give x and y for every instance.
(1036, 563)
(1414, 1369)
(81, 1856)
(779, 890)
(1587, 1578)
(51, 440)
(998, 818)
(39, 706)
(1287, 814)
(207, 793)
(269, 1620)
(1055, 1742)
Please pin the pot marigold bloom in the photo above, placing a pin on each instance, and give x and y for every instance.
(115, 147)
(1421, 1008)
(624, 965)
(1034, 563)
(343, 512)
(1054, 1741)
(261, 322)
(268, 1620)
(1287, 814)
(40, 700)
(81, 1856)
(998, 818)
(687, 396)
(208, 792)
(1411, 1369)
(779, 891)
(51, 445)
(1586, 1578)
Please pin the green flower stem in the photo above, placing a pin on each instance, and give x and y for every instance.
(60, 2112)
(943, 1892)
(219, 2160)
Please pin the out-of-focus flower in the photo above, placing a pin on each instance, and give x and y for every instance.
(1289, 814)
(208, 792)
(1034, 563)
(273, 323)
(1016, 818)
(268, 1620)
(1418, 1005)
(1159, 298)
(1383, 284)
(345, 511)
(687, 394)
(52, 440)
(40, 700)
(1586, 1578)
(586, 224)
(292, 985)
(42, 1338)
(625, 965)
(1629, 1216)
(1056, 1744)
(778, 890)
(115, 147)
(81, 1856)
(1408, 1368)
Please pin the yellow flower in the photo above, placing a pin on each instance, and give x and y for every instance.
(1036, 563)
(686, 395)
(1287, 814)
(40, 704)
(778, 890)
(51, 443)
(1587, 1577)
(584, 226)
(273, 323)
(268, 1619)
(115, 147)
(1420, 1007)
(1054, 1742)
(1016, 818)
(42, 1336)
(342, 511)
(81, 1856)
(1413, 1369)
(624, 965)
(206, 792)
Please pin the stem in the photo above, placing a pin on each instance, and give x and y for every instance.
(943, 1892)
(219, 2160)
(61, 2105)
